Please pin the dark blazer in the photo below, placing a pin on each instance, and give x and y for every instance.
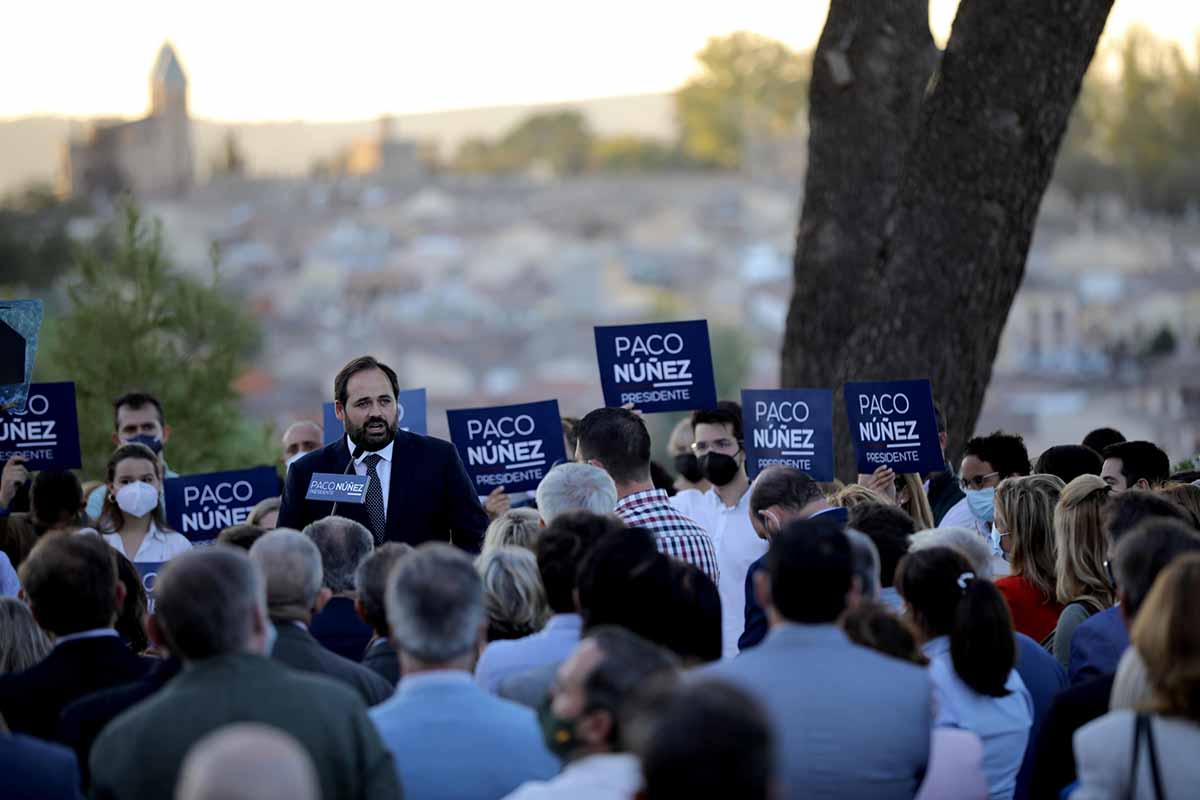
(339, 628)
(36, 770)
(756, 617)
(299, 650)
(140, 753)
(83, 720)
(1054, 749)
(430, 495)
(383, 659)
(31, 701)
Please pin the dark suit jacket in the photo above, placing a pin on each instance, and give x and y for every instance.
(756, 617)
(1054, 749)
(31, 701)
(83, 720)
(383, 659)
(339, 628)
(299, 650)
(430, 495)
(36, 770)
(140, 753)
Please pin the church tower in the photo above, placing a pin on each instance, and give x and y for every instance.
(169, 106)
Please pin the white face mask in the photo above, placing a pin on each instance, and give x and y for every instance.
(137, 499)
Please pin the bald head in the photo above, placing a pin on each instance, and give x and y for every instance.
(247, 761)
(302, 437)
(209, 602)
(291, 567)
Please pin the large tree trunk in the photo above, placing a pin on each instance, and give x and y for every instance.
(949, 255)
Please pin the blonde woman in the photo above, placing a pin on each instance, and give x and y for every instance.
(855, 493)
(22, 642)
(910, 496)
(1082, 584)
(513, 594)
(517, 527)
(1024, 522)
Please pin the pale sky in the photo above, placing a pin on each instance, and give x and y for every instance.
(356, 59)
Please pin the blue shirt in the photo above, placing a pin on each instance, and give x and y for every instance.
(10, 585)
(550, 645)
(453, 741)
(1097, 645)
(1001, 723)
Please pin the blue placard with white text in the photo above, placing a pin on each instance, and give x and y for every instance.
(46, 433)
(410, 411)
(330, 487)
(791, 428)
(148, 571)
(660, 366)
(510, 446)
(893, 425)
(199, 506)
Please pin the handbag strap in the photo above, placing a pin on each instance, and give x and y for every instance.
(1139, 723)
(1154, 770)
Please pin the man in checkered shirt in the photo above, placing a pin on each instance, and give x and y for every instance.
(616, 440)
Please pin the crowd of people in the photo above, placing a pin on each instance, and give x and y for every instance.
(1003, 629)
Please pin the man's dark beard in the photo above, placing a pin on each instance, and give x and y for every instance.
(373, 441)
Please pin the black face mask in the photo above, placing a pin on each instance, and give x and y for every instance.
(687, 465)
(719, 468)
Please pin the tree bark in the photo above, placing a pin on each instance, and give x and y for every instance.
(928, 213)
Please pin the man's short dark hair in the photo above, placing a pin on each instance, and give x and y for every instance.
(727, 412)
(1004, 451)
(205, 601)
(343, 544)
(625, 581)
(55, 497)
(71, 583)
(1069, 461)
(735, 756)
(561, 550)
(1102, 438)
(371, 579)
(618, 439)
(135, 401)
(696, 634)
(242, 536)
(1144, 553)
(1125, 511)
(1140, 461)
(362, 364)
(786, 487)
(628, 661)
(889, 529)
(810, 567)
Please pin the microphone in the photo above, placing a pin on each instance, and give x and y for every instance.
(358, 451)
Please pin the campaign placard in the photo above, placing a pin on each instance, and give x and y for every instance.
(791, 428)
(333, 488)
(46, 433)
(661, 366)
(410, 413)
(510, 446)
(20, 321)
(893, 425)
(149, 574)
(199, 506)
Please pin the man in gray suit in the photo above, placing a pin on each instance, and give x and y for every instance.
(851, 722)
(211, 611)
(291, 564)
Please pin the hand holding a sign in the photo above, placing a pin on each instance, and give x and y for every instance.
(14, 476)
(882, 482)
(497, 504)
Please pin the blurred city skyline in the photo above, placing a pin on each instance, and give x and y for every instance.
(376, 58)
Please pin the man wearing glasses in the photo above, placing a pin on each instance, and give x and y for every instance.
(987, 460)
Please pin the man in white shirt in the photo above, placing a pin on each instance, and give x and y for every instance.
(724, 511)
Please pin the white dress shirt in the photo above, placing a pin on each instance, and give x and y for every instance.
(157, 547)
(737, 547)
(383, 469)
(94, 633)
(604, 776)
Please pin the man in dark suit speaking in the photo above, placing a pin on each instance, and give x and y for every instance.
(418, 490)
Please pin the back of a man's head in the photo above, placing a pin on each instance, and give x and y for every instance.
(55, 497)
(627, 663)
(1145, 552)
(563, 547)
(619, 440)
(70, 582)
(810, 569)
(1004, 451)
(248, 761)
(1125, 511)
(696, 634)
(1140, 461)
(291, 567)
(435, 605)
(965, 541)
(735, 756)
(343, 544)
(625, 581)
(785, 487)
(371, 580)
(1069, 461)
(890, 529)
(864, 558)
(575, 487)
(1101, 438)
(206, 602)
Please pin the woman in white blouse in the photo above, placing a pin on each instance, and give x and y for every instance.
(133, 518)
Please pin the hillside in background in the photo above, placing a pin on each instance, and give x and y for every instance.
(30, 147)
